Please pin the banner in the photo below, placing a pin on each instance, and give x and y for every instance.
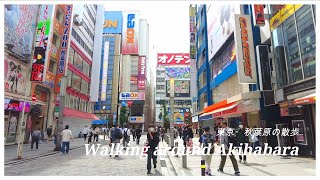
(173, 58)
(178, 73)
(142, 73)
(258, 15)
(130, 32)
(38, 71)
(14, 75)
(112, 22)
(132, 96)
(20, 26)
(105, 71)
(246, 63)
(180, 114)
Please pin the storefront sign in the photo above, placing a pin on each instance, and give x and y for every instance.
(136, 119)
(142, 73)
(132, 96)
(305, 85)
(283, 14)
(130, 33)
(112, 22)
(258, 17)
(245, 107)
(38, 72)
(246, 64)
(173, 58)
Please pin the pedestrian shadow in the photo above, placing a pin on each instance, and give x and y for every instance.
(254, 164)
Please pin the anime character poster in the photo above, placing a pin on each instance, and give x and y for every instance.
(14, 76)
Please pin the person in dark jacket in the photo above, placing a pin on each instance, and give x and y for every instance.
(153, 138)
(138, 134)
(184, 136)
(242, 138)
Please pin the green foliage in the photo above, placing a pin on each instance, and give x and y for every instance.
(188, 119)
(165, 117)
(123, 115)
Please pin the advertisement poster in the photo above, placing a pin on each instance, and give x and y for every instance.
(219, 64)
(258, 17)
(181, 88)
(173, 58)
(41, 49)
(105, 71)
(112, 22)
(130, 32)
(14, 76)
(19, 27)
(142, 73)
(220, 20)
(178, 73)
(180, 114)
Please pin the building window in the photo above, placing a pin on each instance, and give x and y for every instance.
(59, 15)
(69, 77)
(78, 61)
(71, 56)
(53, 66)
(307, 40)
(86, 68)
(76, 82)
(84, 86)
(56, 40)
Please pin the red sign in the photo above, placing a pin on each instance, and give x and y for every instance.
(307, 100)
(133, 80)
(173, 59)
(142, 73)
(129, 103)
(245, 47)
(258, 18)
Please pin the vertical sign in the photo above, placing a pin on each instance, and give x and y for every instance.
(141, 73)
(264, 69)
(246, 64)
(130, 34)
(193, 61)
(104, 71)
(64, 44)
(258, 15)
(41, 47)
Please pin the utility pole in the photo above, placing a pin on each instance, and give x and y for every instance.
(22, 123)
(172, 112)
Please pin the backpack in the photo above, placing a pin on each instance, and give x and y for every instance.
(118, 134)
(125, 134)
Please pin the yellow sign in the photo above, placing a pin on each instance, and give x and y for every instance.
(110, 23)
(283, 14)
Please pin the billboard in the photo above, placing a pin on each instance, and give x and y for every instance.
(220, 20)
(41, 48)
(258, 15)
(105, 71)
(19, 26)
(246, 63)
(132, 96)
(136, 119)
(224, 60)
(173, 58)
(130, 32)
(112, 22)
(142, 73)
(180, 114)
(181, 88)
(14, 105)
(178, 73)
(14, 75)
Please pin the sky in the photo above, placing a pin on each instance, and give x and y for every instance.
(168, 25)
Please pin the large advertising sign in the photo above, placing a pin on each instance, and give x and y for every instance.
(142, 73)
(173, 59)
(220, 20)
(65, 43)
(14, 105)
(132, 96)
(38, 72)
(112, 22)
(19, 26)
(285, 11)
(193, 61)
(105, 71)
(180, 114)
(246, 63)
(223, 61)
(178, 73)
(14, 76)
(181, 88)
(130, 32)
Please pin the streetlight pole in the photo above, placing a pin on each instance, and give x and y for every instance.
(172, 112)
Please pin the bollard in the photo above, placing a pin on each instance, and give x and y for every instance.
(203, 168)
(176, 149)
(184, 161)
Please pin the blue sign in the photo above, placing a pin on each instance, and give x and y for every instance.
(112, 22)
(123, 103)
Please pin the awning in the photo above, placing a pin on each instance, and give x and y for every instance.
(306, 100)
(215, 106)
(205, 118)
(99, 122)
(229, 106)
(79, 114)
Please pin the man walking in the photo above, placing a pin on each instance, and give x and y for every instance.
(207, 139)
(66, 138)
(153, 141)
(115, 136)
(49, 133)
(133, 132)
(242, 138)
(96, 134)
(138, 135)
(225, 142)
(126, 136)
(85, 132)
(35, 137)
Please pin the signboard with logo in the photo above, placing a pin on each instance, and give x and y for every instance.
(136, 119)
(142, 73)
(130, 32)
(173, 58)
(112, 22)
(105, 71)
(258, 15)
(132, 96)
(246, 63)
(41, 49)
(286, 11)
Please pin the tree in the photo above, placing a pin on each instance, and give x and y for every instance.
(123, 115)
(166, 122)
(188, 119)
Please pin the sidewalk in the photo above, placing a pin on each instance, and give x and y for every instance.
(256, 166)
(10, 153)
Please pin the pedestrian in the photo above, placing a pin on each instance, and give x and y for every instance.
(224, 140)
(49, 133)
(189, 137)
(66, 138)
(35, 137)
(242, 138)
(254, 139)
(133, 132)
(96, 133)
(138, 135)
(90, 135)
(207, 139)
(162, 133)
(126, 136)
(184, 136)
(180, 132)
(85, 132)
(115, 137)
(153, 141)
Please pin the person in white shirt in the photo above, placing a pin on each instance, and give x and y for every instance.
(126, 136)
(85, 132)
(66, 138)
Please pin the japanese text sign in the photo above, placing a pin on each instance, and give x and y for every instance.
(173, 59)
